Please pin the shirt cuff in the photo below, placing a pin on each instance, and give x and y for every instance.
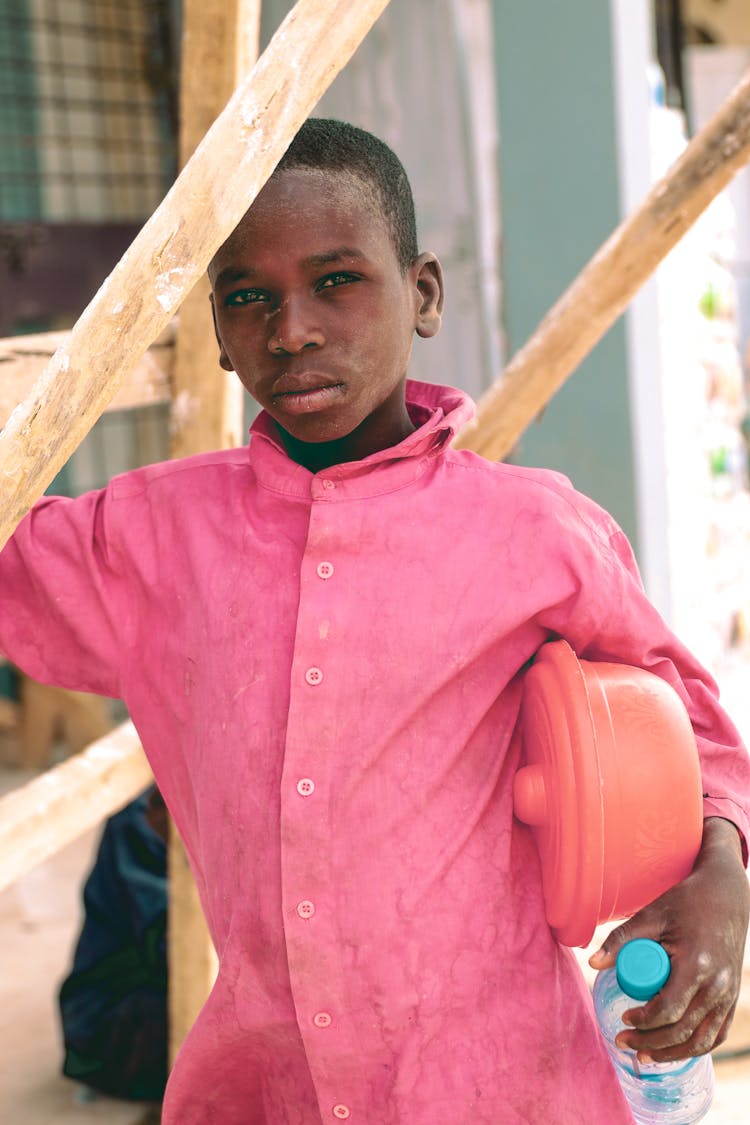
(729, 810)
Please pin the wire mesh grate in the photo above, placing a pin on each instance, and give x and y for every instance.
(87, 109)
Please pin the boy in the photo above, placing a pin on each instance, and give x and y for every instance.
(321, 641)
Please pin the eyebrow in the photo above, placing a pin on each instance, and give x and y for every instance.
(336, 255)
(232, 274)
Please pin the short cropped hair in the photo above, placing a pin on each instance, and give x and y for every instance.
(336, 146)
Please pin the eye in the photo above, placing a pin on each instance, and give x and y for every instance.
(245, 297)
(332, 280)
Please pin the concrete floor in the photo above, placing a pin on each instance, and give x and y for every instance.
(39, 920)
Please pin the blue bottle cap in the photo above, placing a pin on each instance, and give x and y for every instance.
(642, 968)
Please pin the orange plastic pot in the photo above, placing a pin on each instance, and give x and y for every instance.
(610, 785)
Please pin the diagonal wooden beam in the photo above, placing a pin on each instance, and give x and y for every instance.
(174, 247)
(611, 279)
(24, 358)
(42, 816)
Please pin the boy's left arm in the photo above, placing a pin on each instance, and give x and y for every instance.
(702, 923)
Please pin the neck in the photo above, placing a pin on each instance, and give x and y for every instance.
(317, 456)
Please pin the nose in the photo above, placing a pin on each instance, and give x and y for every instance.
(294, 326)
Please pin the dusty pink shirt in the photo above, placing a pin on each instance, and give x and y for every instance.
(325, 672)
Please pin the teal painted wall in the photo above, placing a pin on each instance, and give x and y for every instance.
(20, 196)
(560, 201)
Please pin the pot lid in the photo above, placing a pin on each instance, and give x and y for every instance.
(558, 792)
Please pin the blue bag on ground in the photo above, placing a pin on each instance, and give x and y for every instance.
(113, 1004)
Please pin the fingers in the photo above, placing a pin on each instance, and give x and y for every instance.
(667, 1028)
(606, 955)
(678, 1042)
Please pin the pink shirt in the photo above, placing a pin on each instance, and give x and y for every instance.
(325, 671)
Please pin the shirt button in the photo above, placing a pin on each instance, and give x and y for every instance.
(305, 786)
(305, 909)
(341, 1112)
(325, 570)
(322, 1019)
(329, 484)
(314, 676)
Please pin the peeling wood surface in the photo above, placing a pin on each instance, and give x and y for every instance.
(24, 358)
(611, 279)
(42, 816)
(174, 247)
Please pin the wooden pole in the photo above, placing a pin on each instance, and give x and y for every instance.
(42, 816)
(611, 279)
(219, 47)
(174, 247)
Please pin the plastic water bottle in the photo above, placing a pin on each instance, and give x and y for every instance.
(673, 1093)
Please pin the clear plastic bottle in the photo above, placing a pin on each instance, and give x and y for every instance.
(676, 1093)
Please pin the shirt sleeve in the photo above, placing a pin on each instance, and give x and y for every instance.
(59, 596)
(613, 620)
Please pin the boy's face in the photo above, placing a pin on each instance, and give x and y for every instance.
(314, 314)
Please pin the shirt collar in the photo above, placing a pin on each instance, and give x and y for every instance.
(438, 412)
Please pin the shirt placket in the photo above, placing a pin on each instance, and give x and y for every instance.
(308, 795)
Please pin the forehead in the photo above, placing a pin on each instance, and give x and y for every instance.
(304, 211)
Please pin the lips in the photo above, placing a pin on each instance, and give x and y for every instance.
(306, 393)
(303, 382)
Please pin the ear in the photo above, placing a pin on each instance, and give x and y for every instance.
(428, 280)
(224, 360)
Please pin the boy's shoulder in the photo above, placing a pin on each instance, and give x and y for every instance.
(543, 493)
(504, 476)
(181, 474)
